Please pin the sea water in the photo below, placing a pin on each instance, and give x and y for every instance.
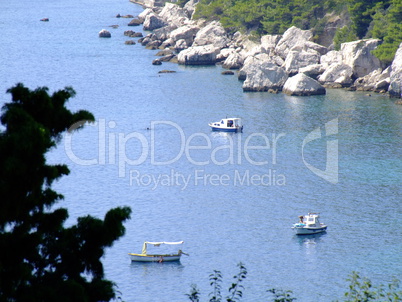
(232, 197)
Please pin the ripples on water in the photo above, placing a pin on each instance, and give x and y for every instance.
(220, 224)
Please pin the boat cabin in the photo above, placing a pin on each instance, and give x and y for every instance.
(230, 122)
(311, 220)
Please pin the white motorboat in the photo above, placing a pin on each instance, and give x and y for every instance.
(144, 257)
(232, 124)
(309, 224)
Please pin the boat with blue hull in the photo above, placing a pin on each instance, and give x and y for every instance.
(309, 224)
(227, 125)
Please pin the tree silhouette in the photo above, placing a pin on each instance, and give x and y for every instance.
(40, 259)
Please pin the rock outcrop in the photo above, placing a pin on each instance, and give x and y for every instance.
(233, 61)
(296, 60)
(153, 21)
(377, 81)
(198, 55)
(358, 56)
(293, 37)
(268, 64)
(105, 34)
(186, 33)
(262, 76)
(213, 34)
(395, 86)
(303, 85)
(337, 76)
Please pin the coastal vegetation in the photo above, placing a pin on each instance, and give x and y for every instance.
(360, 289)
(360, 19)
(41, 259)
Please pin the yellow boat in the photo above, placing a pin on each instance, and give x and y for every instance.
(144, 257)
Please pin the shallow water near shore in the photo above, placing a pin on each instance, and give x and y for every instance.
(231, 197)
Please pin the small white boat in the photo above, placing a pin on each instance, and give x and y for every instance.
(144, 257)
(309, 224)
(232, 124)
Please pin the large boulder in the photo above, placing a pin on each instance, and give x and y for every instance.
(377, 81)
(145, 13)
(153, 21)
(186, 32)
(180, 45)
(357, 54)
(292, 37)
(395, 87)
(313, 71)
(296, 60)
(302, 85)
(337, 75)
(264, 76)
(213, 34)
(311, 46)
(269, 42)
(198, 55)
(105, 34)
(233, 61)
(174, 15)
(331, 57)
(250, 63)
(224, 54)
(135, 22)
(163, 33)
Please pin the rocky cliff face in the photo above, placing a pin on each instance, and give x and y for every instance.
(273, 61)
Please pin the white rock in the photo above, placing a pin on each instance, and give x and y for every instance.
(313, 71)
(145, 13)
(174, 15)
(152, 22)
(264, 76)
(331, 57)
(292, 37)
(269, 42)
(186, 32)
(395, 86)
(296, 60)
(105, 34)
(337, 74)
(357, 54)
(198, 55)
(303, 85)
(233, 61)
(213, 34)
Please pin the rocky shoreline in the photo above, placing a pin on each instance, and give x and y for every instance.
(290, 63)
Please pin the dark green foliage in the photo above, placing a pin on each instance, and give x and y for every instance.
(387, 27)
(181, 3)
(40, 260)
(380, 19)
(236, 289)
(361, 289)
(281, 295)
(194, 294)
(361, 15)
(216, 280)
(265, 16)
(343, 35)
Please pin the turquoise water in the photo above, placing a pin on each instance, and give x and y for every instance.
(231, 197)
